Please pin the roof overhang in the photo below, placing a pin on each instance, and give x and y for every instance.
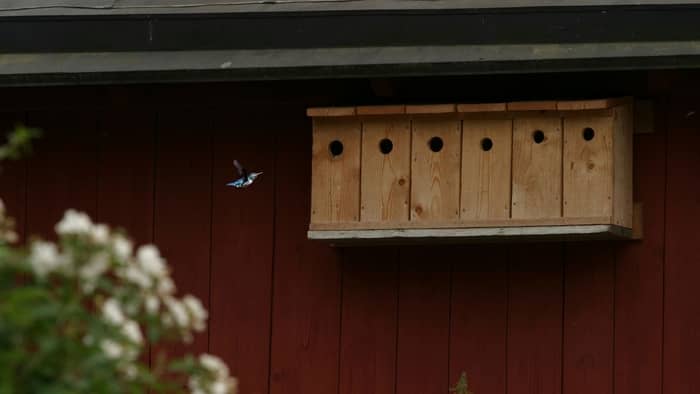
(107, 47)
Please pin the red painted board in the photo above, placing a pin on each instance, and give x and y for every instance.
(639, 275)
(478, 319)
(12, 175)
(424, 313)
(125, 161)
(535, 319)
(242, 249)
(62, 172)
(306, 286)
(681, 361)
(369, 321)
(183, 206)
(589, 297)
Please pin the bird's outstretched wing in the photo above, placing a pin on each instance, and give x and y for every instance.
(241, 170)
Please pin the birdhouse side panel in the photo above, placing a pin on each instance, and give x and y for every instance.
(623, 199)
(537, 168)
(486, 167)
(435, 169)
(386, 170)
(588, 166)
(335, 196)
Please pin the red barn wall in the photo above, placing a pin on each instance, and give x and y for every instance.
(293, 316)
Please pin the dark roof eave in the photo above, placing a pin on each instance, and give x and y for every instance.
(171, 66)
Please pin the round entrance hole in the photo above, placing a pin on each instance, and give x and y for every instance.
(588, 133)
(386, 146)
(486, 144)
(538, 136)
(435, 144)
(336, 148)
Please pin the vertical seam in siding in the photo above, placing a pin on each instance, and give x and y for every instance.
(398, 308)
(275, 178)
(449, 313)
(563, 306)
(211, 223)
(667, 130)
(507, 327)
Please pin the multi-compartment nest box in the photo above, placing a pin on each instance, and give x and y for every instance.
(532, 170)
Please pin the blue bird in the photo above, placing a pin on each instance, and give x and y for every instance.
(246, 178)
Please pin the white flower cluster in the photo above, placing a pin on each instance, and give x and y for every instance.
(148, 288)
(218, 375)
(7, 230)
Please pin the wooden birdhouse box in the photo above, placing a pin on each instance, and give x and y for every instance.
(472, 171)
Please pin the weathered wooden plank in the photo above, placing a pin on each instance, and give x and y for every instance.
(589, 294)
(532, 233)
(423, 331)
(435, 174)
(385, 184)
(535, 320)
(306, 288)
(369, 321)
(537, 168)
(431, 109)
(623, 200)
(639, 277)
(331, 111)
(461, 224)
(588, 166)
(681, 292)
(532, 106)
(182, 227)
(335, 189)
(62, 172)
(242, 247)
(486, 167)
(479, 312)
(482, 107)
(381, 110)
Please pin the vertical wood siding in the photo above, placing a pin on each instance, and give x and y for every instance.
(293, 316)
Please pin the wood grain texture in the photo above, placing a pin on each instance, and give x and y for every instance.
(242, 248)
(589, 294)
(681, 301)
(486, 174)
(485, 107)
(479, 312)
(588, 167)
(623, 129)
(386, 179)
(639, 276)
(461, 224)
(537, 168)
(62, 172)
(435, 176)
(183, 207)
(369, 322)
(335, 184)
(532, 106)
(535, 319)
(13, 176)
(306, 287)
(423, 331)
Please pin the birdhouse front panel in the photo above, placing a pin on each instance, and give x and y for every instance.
(434, 182)
(486, 169)
(537, 167)
(335, 174)
(386, 163)
(473, 171)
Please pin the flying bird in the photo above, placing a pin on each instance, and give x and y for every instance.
(246, 178)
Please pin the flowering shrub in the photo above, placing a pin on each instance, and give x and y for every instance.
(75, 316)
